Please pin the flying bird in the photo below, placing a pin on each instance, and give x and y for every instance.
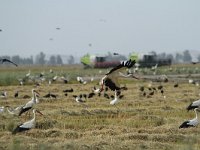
(191, 123)
(115, 53)
(111, 78)
(7, 60)
(27, 125)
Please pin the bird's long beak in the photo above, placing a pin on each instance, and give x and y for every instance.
(39, 112)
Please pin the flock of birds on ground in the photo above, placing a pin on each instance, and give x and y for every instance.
(109, 81)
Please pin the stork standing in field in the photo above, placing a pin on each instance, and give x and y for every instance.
(31, 103)
(193, 105)
(111, 78)
(14, 111)
(27, 125)
(191, 123)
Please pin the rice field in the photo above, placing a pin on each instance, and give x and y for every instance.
(136, 122)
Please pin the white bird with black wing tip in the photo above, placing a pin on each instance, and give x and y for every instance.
(14, 111)
(191, 123)
(111, 78)
(31, 103)
(193, 105)
(27, 125)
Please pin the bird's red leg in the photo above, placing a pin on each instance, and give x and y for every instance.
(101, 88)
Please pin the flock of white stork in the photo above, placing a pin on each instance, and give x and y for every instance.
(110, 80)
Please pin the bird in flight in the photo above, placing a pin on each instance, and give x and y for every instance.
(7, 60)
(110, 80)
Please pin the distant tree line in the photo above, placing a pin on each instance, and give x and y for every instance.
(40, 59)
(184, 57)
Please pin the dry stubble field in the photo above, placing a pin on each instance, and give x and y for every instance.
(136, 123)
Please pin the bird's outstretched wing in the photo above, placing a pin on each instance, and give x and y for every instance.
(127, 64)
(7, 60)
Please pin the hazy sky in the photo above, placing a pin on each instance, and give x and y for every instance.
(98, 26)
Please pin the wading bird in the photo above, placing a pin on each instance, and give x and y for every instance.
(27, 125)
(30, 104)
(14, 111)
(191, 123)
(111, 78)
(193, 105)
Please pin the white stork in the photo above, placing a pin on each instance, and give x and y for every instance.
(30, 104)
(111, 78)
(27, 125)
(14, 111)
(193, 105)
(191, 123)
